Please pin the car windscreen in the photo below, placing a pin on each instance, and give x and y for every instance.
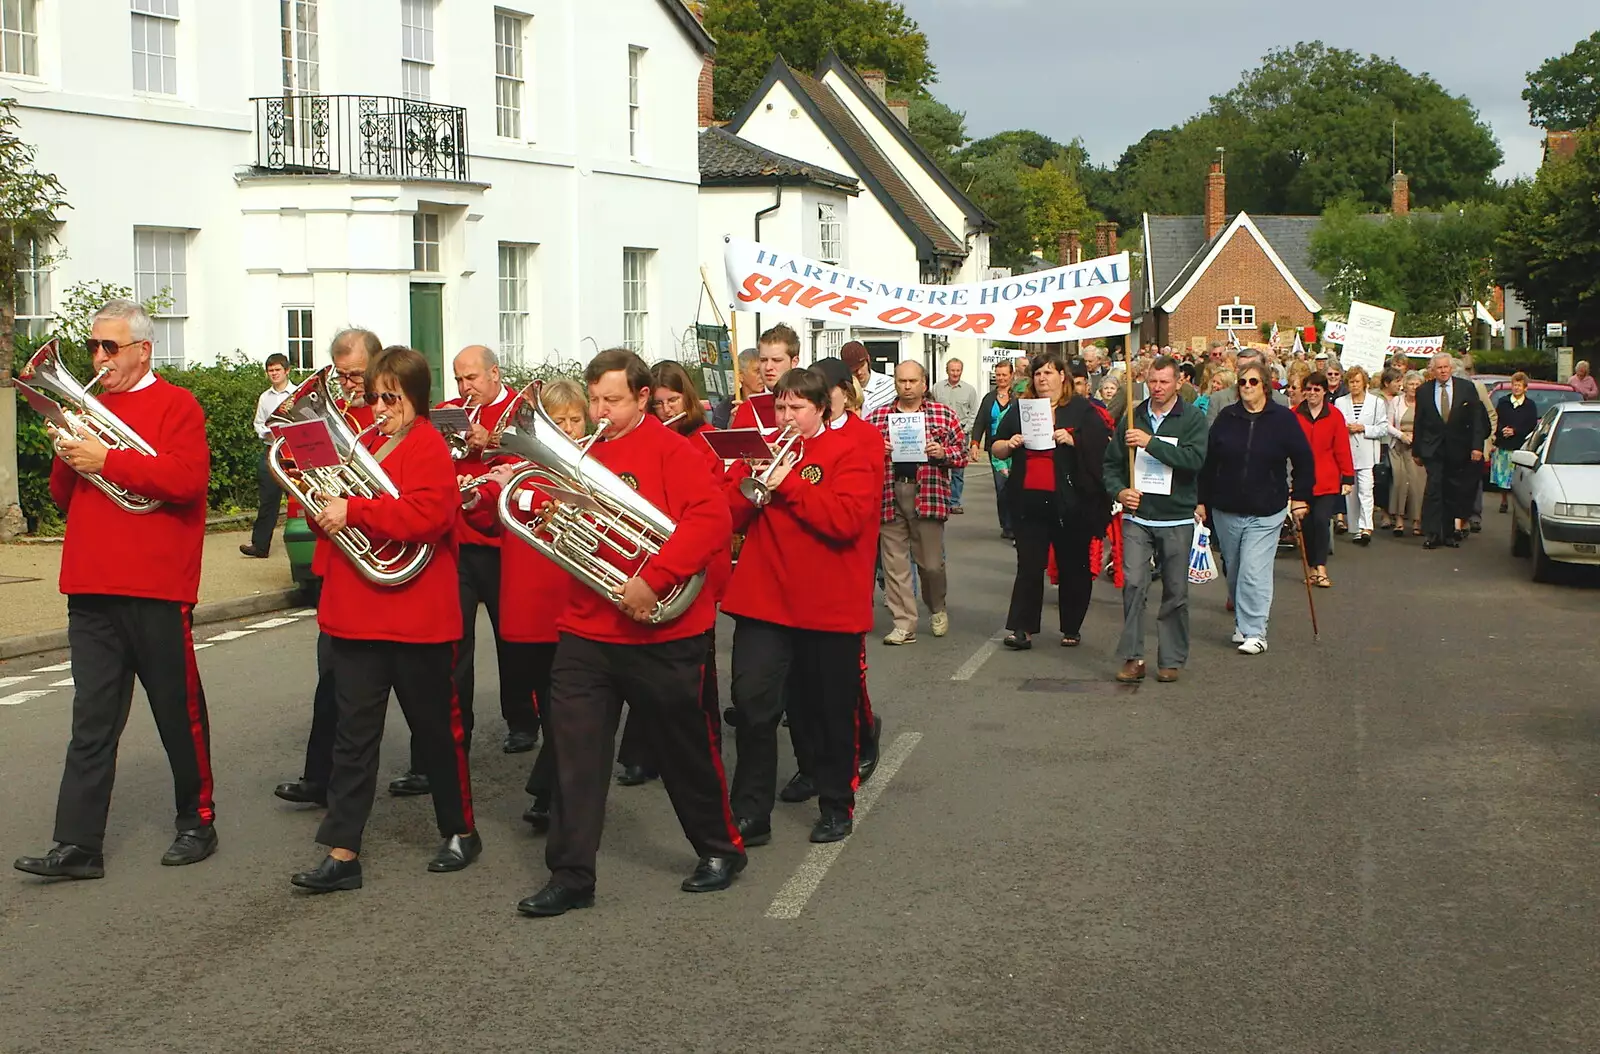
(1545, 398)
(1576, 440)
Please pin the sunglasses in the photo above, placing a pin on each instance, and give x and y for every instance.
(110, 347)
(1315, 388)
(387, 398)
(1250, 382)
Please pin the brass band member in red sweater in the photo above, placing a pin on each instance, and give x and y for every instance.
(608, 654)
(399, 638)
(350, 351)
(130, 617)
(822, 517)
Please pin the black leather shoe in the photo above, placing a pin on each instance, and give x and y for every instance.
(1430, 542)
(798, 789)
(519, 742)
(754, 834)
(555, 900)
(869, 752)
(1453, 541)
(330, 876)
(64, 861)
(457, 852)
(537, 814)
(715, 873)
(302, 792)
(634, 775)
(411, 785)
(190, 847)
(832, 827)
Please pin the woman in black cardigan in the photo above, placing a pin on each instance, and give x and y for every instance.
(1517, 417)
(1057, 498)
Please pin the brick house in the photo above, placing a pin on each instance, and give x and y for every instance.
(1207, 275)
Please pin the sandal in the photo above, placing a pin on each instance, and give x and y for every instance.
(1416, 532)
(1321, 581)
(1399, 532)
(1018, 641)
(1071, 640)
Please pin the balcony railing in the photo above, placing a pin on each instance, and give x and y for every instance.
(361, 135)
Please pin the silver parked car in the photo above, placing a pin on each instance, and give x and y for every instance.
(1555, 490)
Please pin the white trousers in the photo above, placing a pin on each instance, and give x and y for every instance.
(1358, 503)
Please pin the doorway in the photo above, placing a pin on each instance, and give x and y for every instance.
(427, 330)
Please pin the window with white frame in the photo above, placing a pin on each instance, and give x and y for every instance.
(297, 25)
(33, 289)
(155, 46)
(636, 298)
(635, 114)
(831, 343)
(416, 49)
(425, 242)
(507, 75)
(297, 329)
(1236, 316)
(160, 267)
(19, 37)
(829, 234)
(513, 303)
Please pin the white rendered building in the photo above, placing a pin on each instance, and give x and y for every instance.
(517, 173)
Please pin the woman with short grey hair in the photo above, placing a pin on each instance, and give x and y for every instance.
(1405, 492)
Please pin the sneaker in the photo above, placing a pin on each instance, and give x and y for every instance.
(1252, 646)
(1238, 638)
(940, 623)
(901, 636)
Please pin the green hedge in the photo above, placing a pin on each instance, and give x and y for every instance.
(1540, 365)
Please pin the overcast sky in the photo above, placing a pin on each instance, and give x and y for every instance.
(1110, 72)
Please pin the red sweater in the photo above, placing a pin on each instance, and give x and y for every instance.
(157, 554)
(823, 520)
(474, 464)
(357, 417)
(532, 589)
(427, 609)
(667, 473)
(1330, 445)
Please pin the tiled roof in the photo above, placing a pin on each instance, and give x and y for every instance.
(727, 160)
(1177, 246)
(887, 184)
(691, 26)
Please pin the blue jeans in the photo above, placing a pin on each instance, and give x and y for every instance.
(1000, 504)
(1249, 544)
(958, 484)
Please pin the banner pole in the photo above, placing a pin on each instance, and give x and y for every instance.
(1127, 381)
(733, 353)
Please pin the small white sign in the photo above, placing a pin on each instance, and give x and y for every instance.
(1366, 338)
(1151, 476)
(1038, 424)
(908, 437)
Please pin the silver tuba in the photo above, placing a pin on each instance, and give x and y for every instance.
(358, 475)
(83, 414)
(594, 515)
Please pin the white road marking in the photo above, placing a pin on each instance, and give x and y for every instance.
(201, 647)
(232, 634)
(58, 667)
(62, 684)
(22, 697)
(792, 898)
(7, 682)
(272, 623)
(301, 614)
(970, 668)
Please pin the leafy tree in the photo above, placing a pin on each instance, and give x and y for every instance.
(1564, 92)
(1053, 202)
(1312, 125)
(29, 203)
(940, 130)
(1550, 251)
(870, 34)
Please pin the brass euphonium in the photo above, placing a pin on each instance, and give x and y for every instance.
(598, 516)
(358, 475)
(87, 416)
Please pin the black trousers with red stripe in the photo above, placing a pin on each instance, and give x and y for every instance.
(526, 668)
(364, 672)
(805, 753)
(818, 676)
(588, 683)
(113, 640)
(635, 750)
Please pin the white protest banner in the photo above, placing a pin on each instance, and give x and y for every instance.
(1038, 424)
(1366, 337)
(908, 437)
(1080, 302)
(1414, 346)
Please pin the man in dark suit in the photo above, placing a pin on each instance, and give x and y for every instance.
(1451, 427)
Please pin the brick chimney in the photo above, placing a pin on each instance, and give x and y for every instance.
(901, 108)
(1400, 201)
(1070, 248)
(877, 82)
(1560, 144)
(1216, 212)
(1105, 239)
(708, 69)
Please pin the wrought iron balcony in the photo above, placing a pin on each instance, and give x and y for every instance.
(377, 136)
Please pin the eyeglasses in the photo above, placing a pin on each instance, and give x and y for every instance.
(1249, 382)
(110, 347)
(388, 398)
(1314, 388)
(350, 375)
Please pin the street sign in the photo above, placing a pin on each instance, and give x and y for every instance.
(1555, 330)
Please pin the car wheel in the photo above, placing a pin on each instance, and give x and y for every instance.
(1519, 538)
(1544, 568)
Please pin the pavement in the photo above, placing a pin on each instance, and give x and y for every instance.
(33, 613)
(1381, 842)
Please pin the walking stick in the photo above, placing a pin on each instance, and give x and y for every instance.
(1305, 568)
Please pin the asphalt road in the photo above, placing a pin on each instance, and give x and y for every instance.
(1382, 842)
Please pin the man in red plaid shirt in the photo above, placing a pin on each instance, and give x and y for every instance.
(916, 502)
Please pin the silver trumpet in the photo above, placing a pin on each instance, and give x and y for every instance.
(757, 488)
(85, 415)
(519, 399)
(459, 448)
(358, 475)
(597, 528)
